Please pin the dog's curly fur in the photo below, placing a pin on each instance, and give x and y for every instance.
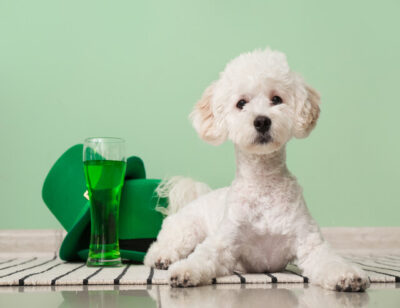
(260, 223)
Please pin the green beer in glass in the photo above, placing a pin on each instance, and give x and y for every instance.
(104, 165)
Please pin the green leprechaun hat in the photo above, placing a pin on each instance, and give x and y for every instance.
(139, 222)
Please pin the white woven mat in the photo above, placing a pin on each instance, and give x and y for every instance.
(39, 271)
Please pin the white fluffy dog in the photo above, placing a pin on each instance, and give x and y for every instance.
(260, 223)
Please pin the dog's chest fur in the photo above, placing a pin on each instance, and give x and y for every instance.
(265, 218)
(266, 208)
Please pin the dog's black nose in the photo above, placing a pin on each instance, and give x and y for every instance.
(262, 124)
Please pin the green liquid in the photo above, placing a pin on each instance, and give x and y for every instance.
(104, 179)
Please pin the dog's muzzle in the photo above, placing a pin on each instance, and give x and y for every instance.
(262, 125)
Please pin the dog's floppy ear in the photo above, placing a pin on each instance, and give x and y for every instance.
(307, 108)
(203, 119)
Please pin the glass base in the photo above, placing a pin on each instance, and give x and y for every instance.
(104, 255)
(94, 262)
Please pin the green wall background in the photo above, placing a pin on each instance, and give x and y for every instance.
(134, 69)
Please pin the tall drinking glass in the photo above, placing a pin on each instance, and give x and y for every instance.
(104, 164)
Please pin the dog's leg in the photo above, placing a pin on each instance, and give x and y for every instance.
(178, 237)
(326, 268)
(216, 256)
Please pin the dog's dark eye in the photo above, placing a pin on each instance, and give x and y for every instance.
(240, 104)
(276, 100)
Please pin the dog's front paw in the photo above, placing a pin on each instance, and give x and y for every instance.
(159, 257)
(352, 283)
(346, 278)
(183, 274)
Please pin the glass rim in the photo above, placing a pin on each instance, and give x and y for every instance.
(104, 139)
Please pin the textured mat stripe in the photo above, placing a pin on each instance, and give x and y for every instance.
(18, 264)
(305, 279)
(380, 270)
(273, 278)
(116, 280)
(379, 267)
(386, 263)
(373, 264)
(43, 272)
(160, 277)
(77, 276)
(107, 276)
(288, 277)
(379, 263)
(86, 280)
(242, 279)
(251, 278)
(381, 277)
(21, 281)
(18, 270)
(7, 261)
(228, 279)
(136, 274)
(150, 277)
(54, 280)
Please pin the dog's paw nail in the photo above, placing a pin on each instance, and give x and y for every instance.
(173, 281)
(162, 264)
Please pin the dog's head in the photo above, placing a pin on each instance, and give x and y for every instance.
(258, 103)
